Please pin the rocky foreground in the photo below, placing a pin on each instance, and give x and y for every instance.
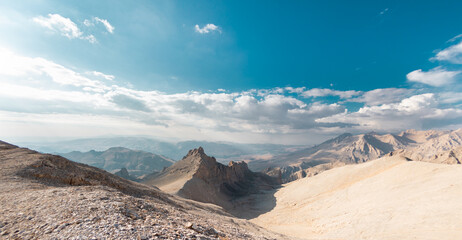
(50, 197)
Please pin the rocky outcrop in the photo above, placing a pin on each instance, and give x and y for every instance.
(201, 178)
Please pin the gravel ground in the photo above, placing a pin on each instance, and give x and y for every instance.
(40, 207)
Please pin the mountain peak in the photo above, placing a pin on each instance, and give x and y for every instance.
(198, 177)
(196, 151)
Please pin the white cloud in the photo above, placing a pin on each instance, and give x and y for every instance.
(90, 38)
(450, 97)
(15, 65)
(88, 23)
(60, 24)
(105, 76)
(295, 90)
(65, 26)
(322, 92)
(452, 54)
(436, 77)
(37, 88)
(207, 28)
(383, 96)
(107, 25)
(418, 111)
(455, 38)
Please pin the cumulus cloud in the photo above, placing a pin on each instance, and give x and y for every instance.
(210, 27)
(35, 87)
(418, 111)
(436, 77)
(295, 90)
(64, 26)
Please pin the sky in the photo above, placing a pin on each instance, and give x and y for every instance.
(286, 72)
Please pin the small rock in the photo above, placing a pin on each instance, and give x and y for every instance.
(143, 237)
(132, 214)
(211, 232)
(189, 225)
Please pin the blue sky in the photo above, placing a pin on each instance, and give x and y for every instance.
(244, 71)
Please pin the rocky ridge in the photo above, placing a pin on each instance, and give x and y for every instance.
(200, 177)
(49, 197)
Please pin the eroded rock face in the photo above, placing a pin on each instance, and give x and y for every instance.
(206, 180)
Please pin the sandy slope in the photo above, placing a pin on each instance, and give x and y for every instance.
(388, 198)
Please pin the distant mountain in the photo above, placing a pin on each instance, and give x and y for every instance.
(345, 148)
(349, 149)
(433, 146)
(137, 162)
(223, 151)
(201, 178)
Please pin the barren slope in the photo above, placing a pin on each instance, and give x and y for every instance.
(388, 198)
(48, 197)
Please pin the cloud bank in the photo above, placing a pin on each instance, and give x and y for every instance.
(37, 93)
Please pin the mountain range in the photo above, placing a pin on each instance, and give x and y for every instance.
(367, 186)
(223, 151)
(137, 162)
(352, 149)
